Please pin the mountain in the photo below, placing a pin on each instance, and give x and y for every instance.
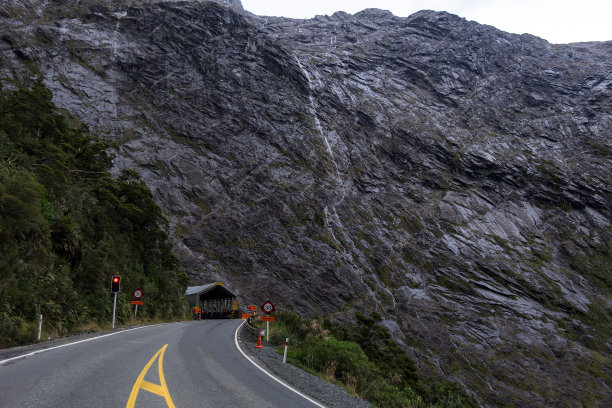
(450, 176)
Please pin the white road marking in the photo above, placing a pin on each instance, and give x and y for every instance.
(2, 362)
(270, 375)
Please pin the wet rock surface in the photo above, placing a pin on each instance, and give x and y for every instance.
(451, 176)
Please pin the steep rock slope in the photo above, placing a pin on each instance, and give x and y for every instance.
(451, 176)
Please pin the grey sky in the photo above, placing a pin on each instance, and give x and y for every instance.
(558, 21)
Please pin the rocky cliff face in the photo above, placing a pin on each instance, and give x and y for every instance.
(451, 176)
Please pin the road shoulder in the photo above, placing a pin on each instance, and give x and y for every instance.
(330, 395)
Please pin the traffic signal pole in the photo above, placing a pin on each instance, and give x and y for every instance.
(114, 307)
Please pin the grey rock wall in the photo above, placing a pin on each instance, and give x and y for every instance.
(453, 177)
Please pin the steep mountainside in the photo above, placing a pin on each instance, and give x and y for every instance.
(453, 177)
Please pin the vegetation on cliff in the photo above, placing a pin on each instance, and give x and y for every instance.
(66, 226)
(365, 360)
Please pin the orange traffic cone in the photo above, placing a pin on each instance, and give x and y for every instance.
(259, 341)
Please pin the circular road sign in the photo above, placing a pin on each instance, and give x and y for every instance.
(137, 293)
(267, 307)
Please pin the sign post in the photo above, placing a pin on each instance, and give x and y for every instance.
(137, 295)
(267, 319)
(114, 308)
(267, 307)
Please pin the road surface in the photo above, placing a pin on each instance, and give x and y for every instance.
(200, 367)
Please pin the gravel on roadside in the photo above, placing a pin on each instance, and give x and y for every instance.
(330, 395)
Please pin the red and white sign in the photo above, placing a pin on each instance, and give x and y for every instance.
(267, 307)
(137, 294)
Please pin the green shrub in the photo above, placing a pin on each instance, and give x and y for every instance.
(383, 394)
(15, 331)
(278, 335)
(366, 360)
(292, 321)
(449, 395)
(348, 357)
(66, 225)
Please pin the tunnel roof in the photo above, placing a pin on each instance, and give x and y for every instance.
(196, 290)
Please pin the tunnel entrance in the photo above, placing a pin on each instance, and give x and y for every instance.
(213, 300)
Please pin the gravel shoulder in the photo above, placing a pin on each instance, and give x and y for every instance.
(330, 395)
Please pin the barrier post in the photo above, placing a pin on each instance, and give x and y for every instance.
(286, 345)
(39, 326)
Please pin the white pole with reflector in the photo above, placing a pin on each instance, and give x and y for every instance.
(39, 326)
(286, 345)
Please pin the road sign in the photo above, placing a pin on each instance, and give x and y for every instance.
(251, 307)
(137, 294)
(267, 307)
(137, 302)
(268, 318)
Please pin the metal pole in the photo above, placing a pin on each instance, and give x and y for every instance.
(39, 326)
(136, 312)
(286, 345)
(267, 331)
(114, 307)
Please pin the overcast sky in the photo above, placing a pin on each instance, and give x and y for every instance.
(558, 21)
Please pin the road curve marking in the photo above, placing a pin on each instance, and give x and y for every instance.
(159, 389)
(2, 362)
(270, 375)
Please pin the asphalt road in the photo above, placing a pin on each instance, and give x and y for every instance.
(201, 367)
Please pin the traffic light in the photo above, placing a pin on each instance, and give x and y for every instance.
(115, 282)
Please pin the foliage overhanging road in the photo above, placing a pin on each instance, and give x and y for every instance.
(201, 367)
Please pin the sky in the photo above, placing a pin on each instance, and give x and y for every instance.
(558, 21)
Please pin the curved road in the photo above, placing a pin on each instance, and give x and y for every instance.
(201, 367)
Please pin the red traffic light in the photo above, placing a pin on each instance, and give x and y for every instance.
(115, 283)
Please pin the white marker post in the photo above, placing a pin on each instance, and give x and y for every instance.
(39, 326)
(114, 307)
(286, 345)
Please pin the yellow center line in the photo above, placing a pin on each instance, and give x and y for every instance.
(154, 388)
(159, 389)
